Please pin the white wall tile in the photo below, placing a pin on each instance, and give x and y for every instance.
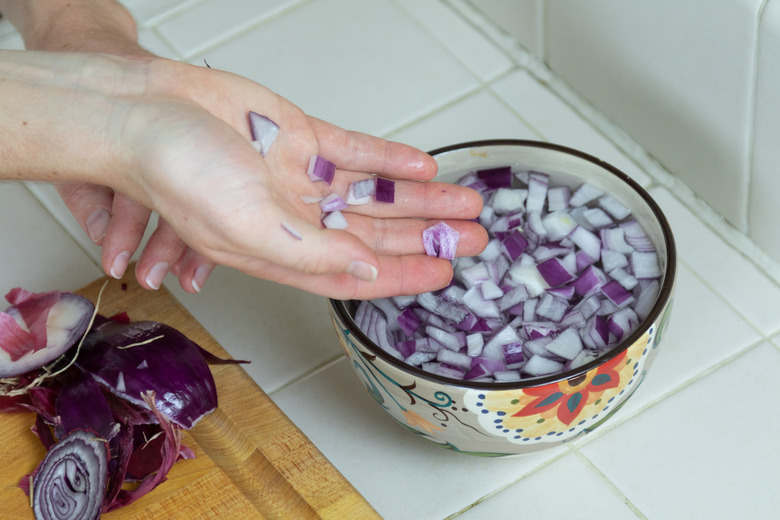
(723, 268)
(284, 332)
(11, 41)
(475, 117)
(206, 23)
(35, 253)
(677, 76)
(522, 20)
(558, 490)
(403, 476)
(149, 40)
(6, 27)
(707, 452)
(559, 123)
(366, 67)
(463, 40)
(147, 12)
(691, 345)
(765, 182)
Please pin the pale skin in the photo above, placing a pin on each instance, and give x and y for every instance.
(123, 133)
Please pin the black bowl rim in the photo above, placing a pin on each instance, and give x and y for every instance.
(664, 294)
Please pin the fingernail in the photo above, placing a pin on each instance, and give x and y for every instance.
(156, 274)
(201, 274)
(119, 265)
(362, 270)
(97, 224)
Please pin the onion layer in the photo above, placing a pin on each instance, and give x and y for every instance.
(71, 480)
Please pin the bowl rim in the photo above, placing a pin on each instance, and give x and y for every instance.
(664, 293)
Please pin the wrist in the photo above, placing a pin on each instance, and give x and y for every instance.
(74, 25)
(61, 115)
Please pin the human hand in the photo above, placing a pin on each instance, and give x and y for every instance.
(175, 138)
(226, 201)
(109, 219)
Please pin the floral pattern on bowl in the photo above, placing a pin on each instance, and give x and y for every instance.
(504, 422)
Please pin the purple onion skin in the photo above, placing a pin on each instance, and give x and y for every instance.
(70, 481)
(33, 309)
(171, 366)
(81, 405)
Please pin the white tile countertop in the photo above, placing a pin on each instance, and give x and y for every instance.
(696, 441)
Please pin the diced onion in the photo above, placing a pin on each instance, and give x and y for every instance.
(565, 276)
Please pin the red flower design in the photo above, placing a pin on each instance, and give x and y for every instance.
(568, 398)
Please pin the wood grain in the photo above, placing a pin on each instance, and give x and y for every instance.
(251, 461)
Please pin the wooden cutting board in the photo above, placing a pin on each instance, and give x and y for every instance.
(251, 461)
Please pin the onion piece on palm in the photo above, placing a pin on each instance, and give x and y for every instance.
(264, 132)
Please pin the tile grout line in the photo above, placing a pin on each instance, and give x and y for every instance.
(738, 240)
(168, 14)
(612, 486)
(508, 485)
(435, 110)
(232, 35)
(308, 374)
(525, 61)
(751, 137)
(613, 424)
(725, 300)
(78, 242)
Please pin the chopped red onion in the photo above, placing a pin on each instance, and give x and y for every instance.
(264, 132)
(307, 199)
(558, 198)
(440, 240)
(332, 202)
(384, 190)
(360, 192)
(493, 178)
(584, 194)
(321, 169)
(537, 192)
(292, 231)
(614, 207)
(565, 276)
(335, 220)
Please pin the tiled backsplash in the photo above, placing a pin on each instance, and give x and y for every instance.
(694, 83)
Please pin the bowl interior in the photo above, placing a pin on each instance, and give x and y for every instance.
(565, 167)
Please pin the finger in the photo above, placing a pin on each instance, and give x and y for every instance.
(124, 234)
(162, 250)
(415, 199)
(398, 275)
(404, 236)
(193, 269)
(357, 151)
(90, 205)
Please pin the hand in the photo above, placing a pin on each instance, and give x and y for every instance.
(110, 219)
(198, 170)
(175, 138)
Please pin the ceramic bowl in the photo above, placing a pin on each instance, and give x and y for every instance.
(498, 419)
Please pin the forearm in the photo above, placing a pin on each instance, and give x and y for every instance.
(73, 25)
(58, 116)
